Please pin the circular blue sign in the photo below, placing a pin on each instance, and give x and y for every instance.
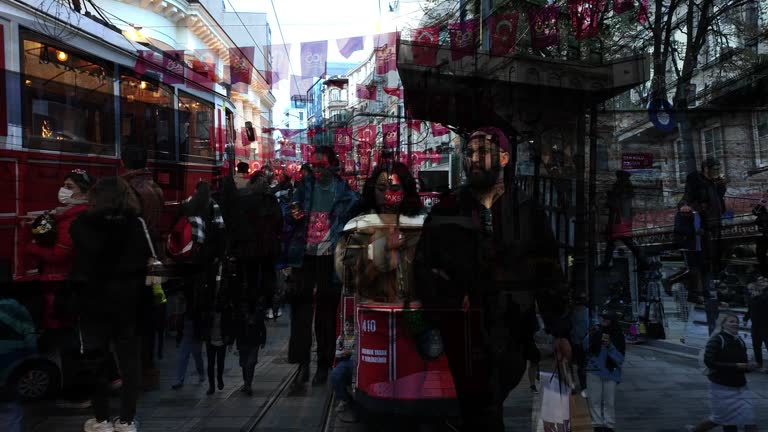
(662, 115)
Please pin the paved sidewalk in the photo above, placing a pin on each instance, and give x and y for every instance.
(190, 409)
(660, 392)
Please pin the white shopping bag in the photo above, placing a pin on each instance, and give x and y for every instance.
(555, 404)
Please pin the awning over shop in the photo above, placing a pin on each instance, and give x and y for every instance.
(515, 90)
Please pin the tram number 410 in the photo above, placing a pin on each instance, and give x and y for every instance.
(369, 326)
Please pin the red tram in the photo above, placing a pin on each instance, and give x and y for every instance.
(74, 104)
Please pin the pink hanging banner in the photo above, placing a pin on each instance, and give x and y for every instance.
(241, 65)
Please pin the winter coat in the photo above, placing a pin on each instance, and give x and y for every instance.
(56, 261)
(258, 225)
(603, 361)
(722, 353)
(110, 267)
(344, 208)
(152, 200)
(758, 312)
(251, 331)
(503, 264)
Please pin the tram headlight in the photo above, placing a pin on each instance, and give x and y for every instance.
(431, 344)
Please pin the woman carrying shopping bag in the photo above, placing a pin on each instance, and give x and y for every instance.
(730, 400)
(605, 350)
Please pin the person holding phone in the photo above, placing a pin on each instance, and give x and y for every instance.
(605, 350)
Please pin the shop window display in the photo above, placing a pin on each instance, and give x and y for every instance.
(67, 99)
(146, 116)
(196, 129)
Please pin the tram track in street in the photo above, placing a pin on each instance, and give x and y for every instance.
(282, 394)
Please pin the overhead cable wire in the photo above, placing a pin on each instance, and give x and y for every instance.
(282, 37)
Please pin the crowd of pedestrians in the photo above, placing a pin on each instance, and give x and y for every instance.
(244, 245)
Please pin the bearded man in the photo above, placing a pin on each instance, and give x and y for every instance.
(488, 257)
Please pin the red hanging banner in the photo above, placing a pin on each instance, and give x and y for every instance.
(543, 25)
(414, 125)
(148, 61)
(366, 136)
(503, 29)
(439, 130)
(394, 91)
(585, 17)
(389, 131)
(463, 38)
(642, 12)
(342, 139)
(386, 59)
(426, 42)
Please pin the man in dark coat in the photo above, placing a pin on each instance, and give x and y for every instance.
(704, 194)
(487, 253)
(134, 159)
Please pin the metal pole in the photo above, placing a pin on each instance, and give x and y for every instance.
(593, 213)
(580, 262)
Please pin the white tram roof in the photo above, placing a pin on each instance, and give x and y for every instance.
(374, 221)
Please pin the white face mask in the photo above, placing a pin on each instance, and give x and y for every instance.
(65, 195)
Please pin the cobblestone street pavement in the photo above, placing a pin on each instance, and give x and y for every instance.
(190, 409)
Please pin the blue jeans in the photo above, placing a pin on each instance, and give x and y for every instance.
(10, 417)
(341, 377)
(189, 346)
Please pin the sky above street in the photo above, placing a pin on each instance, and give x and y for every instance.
(310, 20)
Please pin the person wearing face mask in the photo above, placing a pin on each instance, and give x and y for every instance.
(486, 250)
(321, 207)
(730, 400)
(55, 262)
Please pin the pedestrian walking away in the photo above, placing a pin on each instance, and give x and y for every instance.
(111, 255)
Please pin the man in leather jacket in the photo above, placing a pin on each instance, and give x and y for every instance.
(486, 255)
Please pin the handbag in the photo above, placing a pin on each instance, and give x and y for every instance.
(555, 403)
(155, 267)
(44, 230)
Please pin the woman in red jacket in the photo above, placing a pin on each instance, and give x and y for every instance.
(55, 262)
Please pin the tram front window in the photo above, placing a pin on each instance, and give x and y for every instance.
(146, 110)
(67, 99)
(196, 129)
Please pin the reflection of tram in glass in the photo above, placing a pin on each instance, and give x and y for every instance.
(400, 365)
